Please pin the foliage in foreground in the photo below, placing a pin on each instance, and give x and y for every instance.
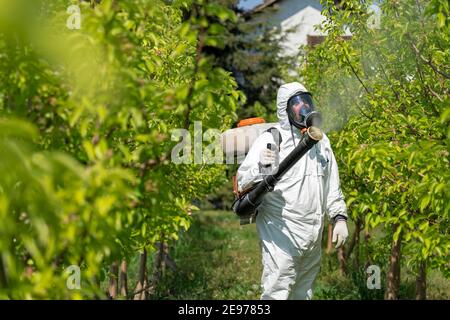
(91, 182)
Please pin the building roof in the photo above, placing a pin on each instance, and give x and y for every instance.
(251, 6)
(262, 6)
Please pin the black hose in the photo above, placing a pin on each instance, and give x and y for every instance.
(246, 205)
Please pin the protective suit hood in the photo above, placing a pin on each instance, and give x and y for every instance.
(285, 92)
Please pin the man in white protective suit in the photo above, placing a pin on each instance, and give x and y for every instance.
(290, 218)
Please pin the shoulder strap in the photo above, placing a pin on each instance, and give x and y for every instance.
(276, 136)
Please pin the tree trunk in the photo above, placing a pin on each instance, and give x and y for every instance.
(421, 282)
(96, 280)
(357, 262)
(113, 285)
(329, 238)
(123, 279)
(170, 263)
(342, 261)
(393, 276)
(159, 264)
(354, 243)
(3, 280)
(142, 280)
(366, 245)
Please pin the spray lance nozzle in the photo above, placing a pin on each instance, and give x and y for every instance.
(313, 119)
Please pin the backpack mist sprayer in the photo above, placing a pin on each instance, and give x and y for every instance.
(247, 202)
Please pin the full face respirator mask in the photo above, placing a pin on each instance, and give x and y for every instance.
(302, 112)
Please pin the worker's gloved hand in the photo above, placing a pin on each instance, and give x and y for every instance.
(267, 157)
(340, 233)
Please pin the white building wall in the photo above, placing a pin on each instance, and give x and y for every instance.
(301, 16)
(303, 23)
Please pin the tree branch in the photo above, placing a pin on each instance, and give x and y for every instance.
(430, 63)
(356, 75)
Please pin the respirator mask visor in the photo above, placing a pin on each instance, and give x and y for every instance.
(302, 112)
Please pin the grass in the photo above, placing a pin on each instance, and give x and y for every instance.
(219, 259)
(216, 259)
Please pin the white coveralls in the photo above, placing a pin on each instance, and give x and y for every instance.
(291, 217)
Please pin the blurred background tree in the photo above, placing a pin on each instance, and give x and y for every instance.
(251, 49)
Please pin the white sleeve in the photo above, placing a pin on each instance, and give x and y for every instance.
(335, 198)
(248, 172)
